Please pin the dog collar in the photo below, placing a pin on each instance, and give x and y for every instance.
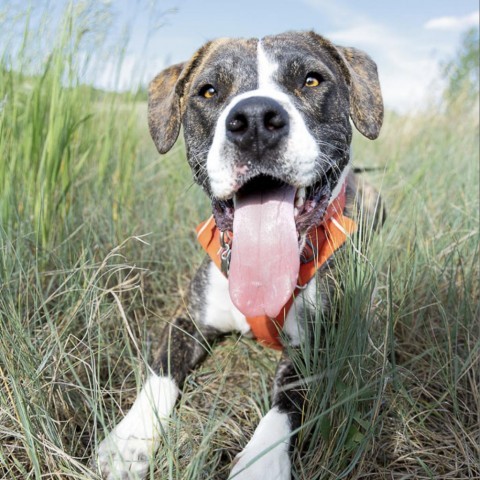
(321, 243)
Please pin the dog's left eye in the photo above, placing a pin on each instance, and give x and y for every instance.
(207, 91)
(313, 79)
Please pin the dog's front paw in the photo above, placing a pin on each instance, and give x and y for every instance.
(125, 458)
(274, 465)
(126, 452)
(266, 456)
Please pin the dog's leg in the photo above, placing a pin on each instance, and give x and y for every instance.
(126, 452)
(267, 454)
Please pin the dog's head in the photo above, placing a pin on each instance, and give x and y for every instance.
(267, 129)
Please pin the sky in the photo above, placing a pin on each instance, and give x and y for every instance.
(408, 39)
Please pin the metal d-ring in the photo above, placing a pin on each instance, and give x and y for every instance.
(225, 251)
(225, 243)
(313, 250)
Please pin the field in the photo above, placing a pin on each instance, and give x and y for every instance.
(97, 246)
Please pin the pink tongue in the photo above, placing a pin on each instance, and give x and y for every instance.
(265, 254)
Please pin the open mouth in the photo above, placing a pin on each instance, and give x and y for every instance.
(310, 203)
(268, 218)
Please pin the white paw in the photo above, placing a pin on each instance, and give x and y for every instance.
(125, 458)
(271, 466)
(125, 453)
(273, 462)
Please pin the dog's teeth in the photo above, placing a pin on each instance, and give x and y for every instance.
(234, 201)
(300, 197)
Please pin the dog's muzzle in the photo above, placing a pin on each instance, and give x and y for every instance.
(257, 124)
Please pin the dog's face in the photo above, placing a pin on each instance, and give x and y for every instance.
(267, 121)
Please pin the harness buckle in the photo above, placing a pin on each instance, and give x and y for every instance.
(225, 251)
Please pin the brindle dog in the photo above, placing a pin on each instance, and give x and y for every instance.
(267, 132)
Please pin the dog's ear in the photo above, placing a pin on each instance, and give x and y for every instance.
(164, 108)
(366, 104)
(165, 99)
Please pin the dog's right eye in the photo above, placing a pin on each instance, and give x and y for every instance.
(207, 91)
(313, 79)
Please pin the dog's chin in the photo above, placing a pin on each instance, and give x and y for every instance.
(310, 202)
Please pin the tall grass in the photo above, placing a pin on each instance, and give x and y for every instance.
(430, 292)
(96, 248)
(50, 141)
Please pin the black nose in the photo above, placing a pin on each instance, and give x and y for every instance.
(257, 123)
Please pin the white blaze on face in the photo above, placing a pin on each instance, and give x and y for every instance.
(265, 254)
(298, 158)
(266, 70)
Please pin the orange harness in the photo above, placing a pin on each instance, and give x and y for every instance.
(322, 242)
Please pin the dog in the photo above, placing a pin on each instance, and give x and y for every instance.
(267, 131)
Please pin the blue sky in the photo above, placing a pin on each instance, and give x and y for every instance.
(407, 39)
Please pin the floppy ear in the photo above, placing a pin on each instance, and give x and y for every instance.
(165, 100)
(164, 108)
(366, 104)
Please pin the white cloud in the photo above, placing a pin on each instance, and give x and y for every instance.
(408, 70)
(454, 23)
(364, 34)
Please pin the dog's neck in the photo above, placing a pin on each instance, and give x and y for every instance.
(220, 252)
(320, 244)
